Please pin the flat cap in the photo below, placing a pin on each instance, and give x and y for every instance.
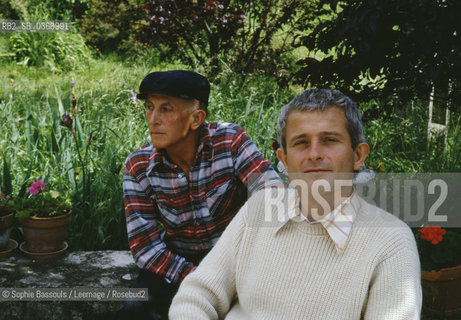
(176, 83)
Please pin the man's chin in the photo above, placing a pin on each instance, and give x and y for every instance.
(312, 175)
(327, 179)
(158, 145)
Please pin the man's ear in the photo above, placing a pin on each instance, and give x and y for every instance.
(360, 154)
(197, 118)
(282, 156)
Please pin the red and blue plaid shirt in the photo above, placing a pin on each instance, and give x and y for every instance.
(194, 211)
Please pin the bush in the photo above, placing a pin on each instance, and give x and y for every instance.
(55, 51)
(114, 26)
(54, 9)
(245, 36)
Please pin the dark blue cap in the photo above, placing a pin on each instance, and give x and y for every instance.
(177, 83)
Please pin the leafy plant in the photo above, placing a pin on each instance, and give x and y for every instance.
(42, 203)
(115, 26)
(56, 51)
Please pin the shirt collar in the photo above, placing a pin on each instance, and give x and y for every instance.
(338, 223)
(204, 150)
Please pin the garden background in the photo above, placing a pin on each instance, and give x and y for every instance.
(388, 55)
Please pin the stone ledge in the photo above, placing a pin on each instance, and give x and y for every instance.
(96, 269)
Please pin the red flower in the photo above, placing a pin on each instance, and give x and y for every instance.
(432, 234)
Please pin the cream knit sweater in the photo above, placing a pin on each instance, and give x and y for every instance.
(296, 273)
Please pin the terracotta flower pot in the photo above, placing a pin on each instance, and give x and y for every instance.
(6, 225)
(45, 234)
(441, 291)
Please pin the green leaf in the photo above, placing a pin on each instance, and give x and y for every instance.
(54, 142)
(23, 214)
(55, 194)
(22, 191)
(60, 106)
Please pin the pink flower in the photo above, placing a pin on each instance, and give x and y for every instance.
(36, 187)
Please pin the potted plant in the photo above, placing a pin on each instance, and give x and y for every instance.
(440, 255)
(44, 216)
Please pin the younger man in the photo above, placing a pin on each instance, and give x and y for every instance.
(317, 251)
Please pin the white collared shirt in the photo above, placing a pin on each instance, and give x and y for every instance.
(338, 223)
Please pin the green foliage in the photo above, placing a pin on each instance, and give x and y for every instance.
(46, 203)
(398, 140)
(252, 102)
(61, 9)
(114, 26)
(6, 185)
(7, 11)
(54, 9)
(55, 51)
(245, 36)
(36, 145)
(400, 48)
(6, 190)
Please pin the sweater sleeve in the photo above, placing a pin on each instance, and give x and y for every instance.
(207, 292)
(395, 288)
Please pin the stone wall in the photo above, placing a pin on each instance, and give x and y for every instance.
(93, 269)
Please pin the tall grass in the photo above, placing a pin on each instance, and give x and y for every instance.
(36, 146)
(399, 142)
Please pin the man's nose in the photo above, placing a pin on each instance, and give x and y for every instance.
(314, 152)
(153, 117)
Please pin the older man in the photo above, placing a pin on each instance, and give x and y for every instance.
(191, 178)
(316, 251)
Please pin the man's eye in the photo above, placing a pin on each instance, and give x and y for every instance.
(165, 109)
(149, 107)
(330, 139)
(300, 142)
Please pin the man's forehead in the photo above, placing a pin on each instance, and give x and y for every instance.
(158, 96)
(318, 117)
(326, 112)
(163, 99)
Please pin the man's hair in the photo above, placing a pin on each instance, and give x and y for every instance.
(204, 107)
(199, 105)
(321, 99)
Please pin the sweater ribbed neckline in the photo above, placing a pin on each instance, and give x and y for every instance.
(315, 229)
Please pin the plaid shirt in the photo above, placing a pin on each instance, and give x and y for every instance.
(194, 210)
